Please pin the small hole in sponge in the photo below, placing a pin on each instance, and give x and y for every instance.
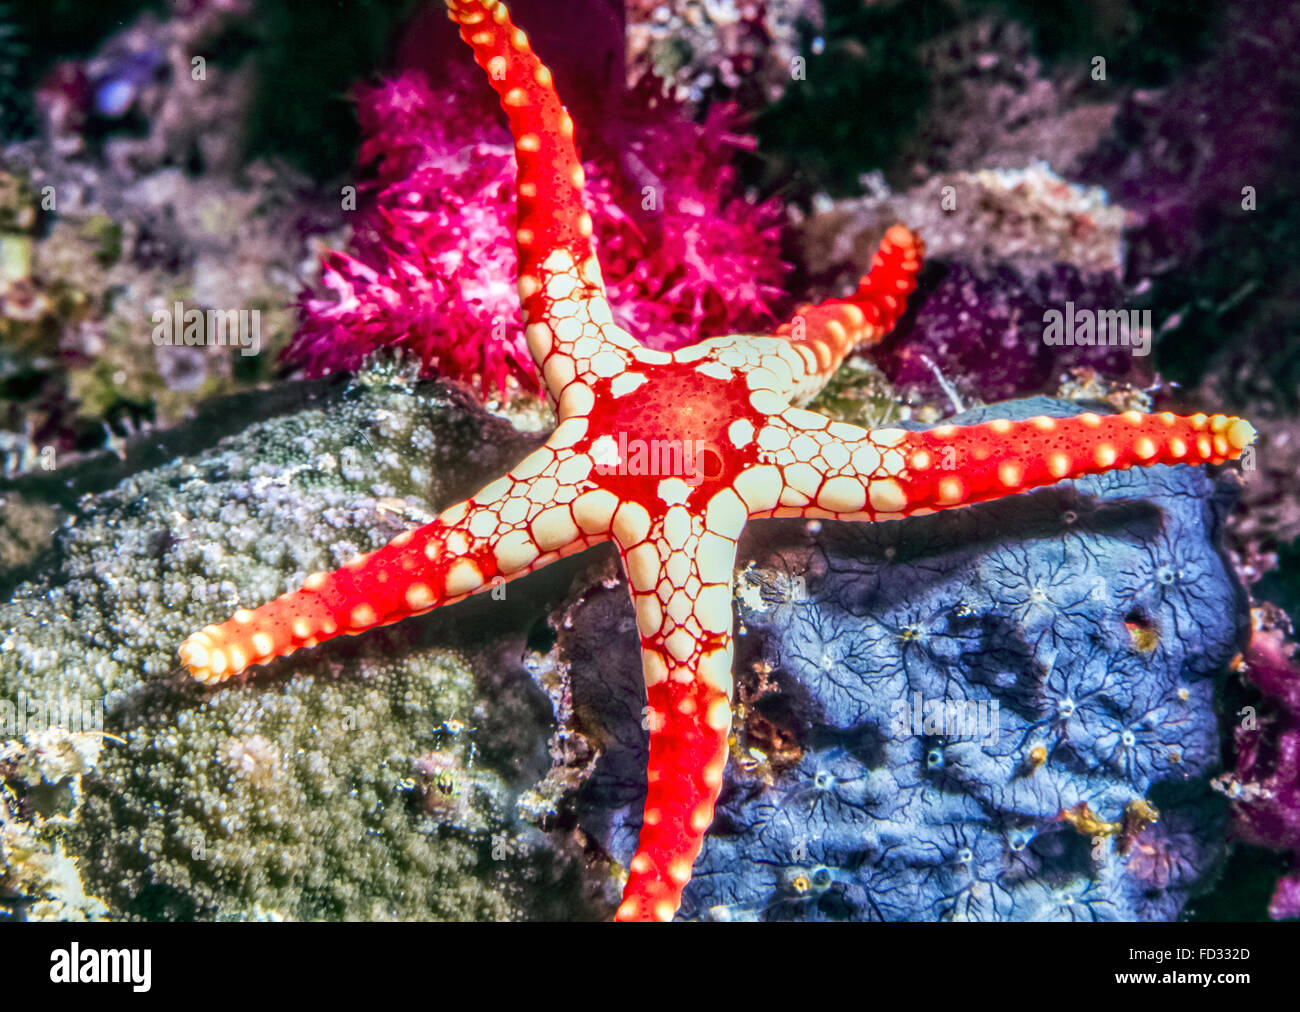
(1143, 630)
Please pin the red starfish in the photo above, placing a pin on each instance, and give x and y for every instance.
(670, 455)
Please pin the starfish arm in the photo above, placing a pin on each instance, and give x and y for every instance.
(795, 363)
(569, 323)
(825, 334)
(814, 467)
(516, 524)
(681, 575)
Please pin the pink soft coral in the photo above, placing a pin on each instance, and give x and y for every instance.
(702, 262)
(433, 262)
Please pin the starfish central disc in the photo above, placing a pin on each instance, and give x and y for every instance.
(676, 420)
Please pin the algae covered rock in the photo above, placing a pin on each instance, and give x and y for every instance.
(363, 779)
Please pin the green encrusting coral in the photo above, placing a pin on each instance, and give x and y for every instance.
(365, 779)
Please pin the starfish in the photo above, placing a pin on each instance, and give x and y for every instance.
(669, 455)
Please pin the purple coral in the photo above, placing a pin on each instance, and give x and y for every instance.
(1179, 160)
(983, 330)
(433, 267)
(1267, 778)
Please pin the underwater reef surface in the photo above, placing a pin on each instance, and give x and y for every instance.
(437, 768)
(374, 778)
(148, 190)
(1097, 616)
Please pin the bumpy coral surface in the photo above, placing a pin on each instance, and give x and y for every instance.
(1097, 616)
(700, 49)
(982, 331)
(376, 783)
